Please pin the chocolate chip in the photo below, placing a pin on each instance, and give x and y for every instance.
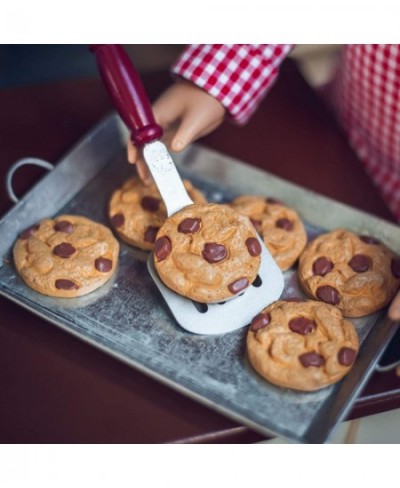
(260, 321)
(150, 204)
(370, 239)
(328, 294)
(302, 325)
(322, 266)
(213, 252)
(64, 250)
(256, 223)
(25, 234)
(253, 246)
(162, 248)
(285, 224)
(150, 234)
(346, 356)
(395, 268)
(360, 263)
(66, 285)
(189, 226)
(64, 226)
(311, 359)
(103, 265)
(118, 220)
(273, 201)
(238, 285)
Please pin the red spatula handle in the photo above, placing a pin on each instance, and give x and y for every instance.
(126, 89)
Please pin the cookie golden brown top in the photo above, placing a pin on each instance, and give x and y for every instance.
(356, 273)
(301, 345)
(279, 226)
(137, 211)
(208, 252)
(68, 256)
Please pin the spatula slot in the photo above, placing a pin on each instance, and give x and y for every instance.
(200, 307)
(257, 282)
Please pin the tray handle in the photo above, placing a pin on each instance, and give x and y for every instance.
(18, 164)
(388, 367)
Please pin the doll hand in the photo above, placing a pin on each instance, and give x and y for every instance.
(394, 309)
(185, 112)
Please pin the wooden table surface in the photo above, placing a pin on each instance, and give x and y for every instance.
(57, 389)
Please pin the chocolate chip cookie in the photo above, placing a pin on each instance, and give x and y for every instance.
(68, 256)
(301, 345)
(280, 227)
(208, 252)
(357, 273)
(137, 211)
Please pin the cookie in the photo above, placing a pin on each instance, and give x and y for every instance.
(137, 211)
(280, 227)
(68, 256)
(208, 253)
(356, 273)
(301, 345)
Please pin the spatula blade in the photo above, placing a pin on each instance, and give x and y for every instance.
(219, 318)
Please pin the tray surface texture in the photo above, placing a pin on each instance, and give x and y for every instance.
(128, 318)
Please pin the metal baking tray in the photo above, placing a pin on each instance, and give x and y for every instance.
(128, 318)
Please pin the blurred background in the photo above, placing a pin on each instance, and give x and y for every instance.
(37, 64)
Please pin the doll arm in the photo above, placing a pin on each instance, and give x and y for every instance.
(238, 75)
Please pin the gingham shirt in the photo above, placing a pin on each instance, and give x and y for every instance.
(365, 91)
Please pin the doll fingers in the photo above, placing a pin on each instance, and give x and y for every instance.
(168, 109)
(132, 152)
(191, 127)
(194, 125)
(134, 157)
(394, 309)
(143, 172)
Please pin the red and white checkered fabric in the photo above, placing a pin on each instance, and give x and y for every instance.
(366, 94)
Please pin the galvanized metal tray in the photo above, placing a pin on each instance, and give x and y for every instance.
(128, 318)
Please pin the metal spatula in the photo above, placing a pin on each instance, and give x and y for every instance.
(131, 102)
